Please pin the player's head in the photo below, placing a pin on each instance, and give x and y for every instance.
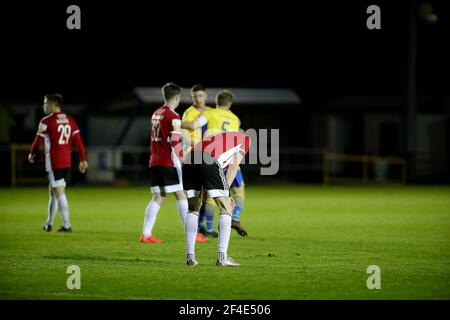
(198, 95)
(172, 94)
(224, 99)
(52, 102)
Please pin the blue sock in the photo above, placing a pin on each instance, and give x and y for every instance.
(238, 208)
(209, 223)
(237, 213)
(201, 220)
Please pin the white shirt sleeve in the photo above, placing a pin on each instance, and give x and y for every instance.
(200, 122)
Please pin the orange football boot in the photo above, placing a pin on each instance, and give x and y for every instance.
(151, 239)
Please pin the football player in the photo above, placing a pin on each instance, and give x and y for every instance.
(203, 169)
(58, 132)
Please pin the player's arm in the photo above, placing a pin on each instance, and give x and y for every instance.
(233, 167)
(176, 138)
(192, 125)
(38, 141)
(83, 165)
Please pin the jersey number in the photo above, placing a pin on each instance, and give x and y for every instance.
(65, 130)
(155, 130)
(223, 125)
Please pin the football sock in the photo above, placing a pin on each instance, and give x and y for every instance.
(209, 213)
(190, 228)
(52, 208)
(150, 217)
(238, 208)
(221, 256)
(64, 209)
(224, 233)
(182, 206)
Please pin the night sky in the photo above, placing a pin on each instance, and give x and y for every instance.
(321, 49)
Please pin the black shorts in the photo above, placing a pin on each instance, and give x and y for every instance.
(165, 179)
(207, 174)
(57, 178)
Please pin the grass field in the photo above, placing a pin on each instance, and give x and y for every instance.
(304, 243)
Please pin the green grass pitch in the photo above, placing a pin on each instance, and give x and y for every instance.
(305, 242)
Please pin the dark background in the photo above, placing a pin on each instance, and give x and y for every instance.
(321, 49)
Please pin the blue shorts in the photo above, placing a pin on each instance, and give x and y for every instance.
(238, 180)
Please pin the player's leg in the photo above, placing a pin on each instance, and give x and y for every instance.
(58, 183)
(175, 185)
(182, 205)
(151, 211)
(218, 189)
(192, 183)
(193, 186)
(238, 190)
(201, 220)
(202, 217)
(52, 208)
(201, 230)
(225, 205)
(239, 197)
(209, 214)
(63, 205)
(190, 225)
(173, 182)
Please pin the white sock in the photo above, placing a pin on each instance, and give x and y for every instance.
(64, 209)
(150, 217)
(224, 234)
(52, 208)
(190, 229)
(182, 209)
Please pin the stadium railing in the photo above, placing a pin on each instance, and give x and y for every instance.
(372, 169)
(126, 165)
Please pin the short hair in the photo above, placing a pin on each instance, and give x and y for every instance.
(198, 87)
(170, 90)
(224, 97)
(55, 98)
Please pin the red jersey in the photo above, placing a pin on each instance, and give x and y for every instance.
(165, 141)
(224, 146)
(58, 131)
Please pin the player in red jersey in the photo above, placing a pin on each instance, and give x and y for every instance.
(58, 131)
(166, 152)
(204, 168)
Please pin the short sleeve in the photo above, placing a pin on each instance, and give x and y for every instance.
(42, 128)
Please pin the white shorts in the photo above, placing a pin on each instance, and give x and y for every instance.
(57, 178)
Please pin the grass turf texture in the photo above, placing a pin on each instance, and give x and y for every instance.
(304, 243)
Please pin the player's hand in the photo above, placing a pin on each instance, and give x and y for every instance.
(31, 158)
(83, 166)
